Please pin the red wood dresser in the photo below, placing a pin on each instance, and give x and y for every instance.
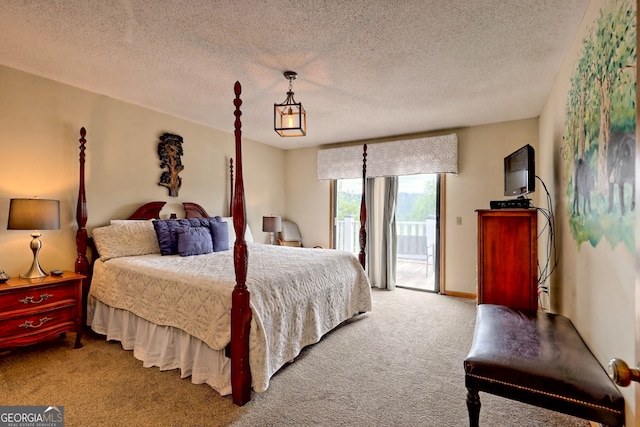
(508, 258)
(32, 310)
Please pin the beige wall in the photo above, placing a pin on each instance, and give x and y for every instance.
(481, 155)
(594, 286)
(39, 132)
(481, 150)
(307, 198)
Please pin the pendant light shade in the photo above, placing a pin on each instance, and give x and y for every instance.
(289, 118)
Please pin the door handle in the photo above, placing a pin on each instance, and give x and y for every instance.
(621, 373)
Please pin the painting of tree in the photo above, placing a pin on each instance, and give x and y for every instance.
(600, 121)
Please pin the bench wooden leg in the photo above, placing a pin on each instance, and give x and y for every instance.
(473, 406)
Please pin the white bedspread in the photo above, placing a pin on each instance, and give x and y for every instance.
(297, 295)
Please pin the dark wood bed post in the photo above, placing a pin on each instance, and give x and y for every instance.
(240, 309)
(231, 188)
(363, 210)
(82, 263)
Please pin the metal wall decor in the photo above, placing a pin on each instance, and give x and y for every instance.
(170, 152)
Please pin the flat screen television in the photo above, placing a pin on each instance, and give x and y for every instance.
(520, 172)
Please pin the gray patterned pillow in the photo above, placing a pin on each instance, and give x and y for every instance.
(126, 239)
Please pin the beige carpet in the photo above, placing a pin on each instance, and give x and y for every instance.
(400, 365)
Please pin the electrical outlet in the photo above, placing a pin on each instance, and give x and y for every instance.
(458, 220)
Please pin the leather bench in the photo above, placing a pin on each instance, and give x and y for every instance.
(538, 358)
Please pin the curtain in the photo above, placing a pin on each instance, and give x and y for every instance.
(370, 228)
(436, 154)
(389, 238)
(382, 195)
(340, 163)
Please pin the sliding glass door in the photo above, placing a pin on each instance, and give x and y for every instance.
(417, 227)
(346, 224)
(417, 213)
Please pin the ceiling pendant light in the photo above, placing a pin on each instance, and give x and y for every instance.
(289, 118)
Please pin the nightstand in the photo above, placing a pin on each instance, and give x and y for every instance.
(32, 310)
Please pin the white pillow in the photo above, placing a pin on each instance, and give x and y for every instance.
(126, 221)
(126, 239)
(248, 237)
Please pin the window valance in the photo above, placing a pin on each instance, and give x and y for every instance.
(434, 154)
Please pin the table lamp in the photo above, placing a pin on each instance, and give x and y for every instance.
(34, 214)
(271, 224)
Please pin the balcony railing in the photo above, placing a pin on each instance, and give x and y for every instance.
(416, 239)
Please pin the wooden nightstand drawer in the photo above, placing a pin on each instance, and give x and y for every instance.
(37, 309)
(56, 318)
(30, 298)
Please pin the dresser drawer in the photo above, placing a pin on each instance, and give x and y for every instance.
(42, 322)
(31, 298)
(33, 310)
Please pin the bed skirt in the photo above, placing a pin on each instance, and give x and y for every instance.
(164, 347)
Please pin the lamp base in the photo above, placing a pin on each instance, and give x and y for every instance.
(35, 271)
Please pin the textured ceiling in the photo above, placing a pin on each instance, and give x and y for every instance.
(366, 68)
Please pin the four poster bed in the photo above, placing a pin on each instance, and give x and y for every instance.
(221, 319)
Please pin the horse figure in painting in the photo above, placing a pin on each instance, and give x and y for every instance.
(585, 182)
(621, 167)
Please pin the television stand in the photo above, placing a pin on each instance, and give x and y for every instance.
(510, 204)
(507, 263)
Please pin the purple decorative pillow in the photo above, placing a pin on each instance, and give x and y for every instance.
(167, 235)
(219, 234)
(194, 241)
(199, 222)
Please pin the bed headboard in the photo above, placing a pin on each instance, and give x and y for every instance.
(149, 210)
